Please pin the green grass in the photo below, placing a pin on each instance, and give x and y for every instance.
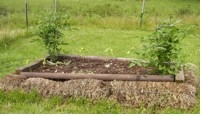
(20, 102)
(103, 13)
(100, 28)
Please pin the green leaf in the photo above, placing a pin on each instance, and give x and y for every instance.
(162, 46)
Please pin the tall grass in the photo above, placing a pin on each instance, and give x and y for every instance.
(113, 13)
(8, 36)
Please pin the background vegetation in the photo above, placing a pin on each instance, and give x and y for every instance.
(98, 27)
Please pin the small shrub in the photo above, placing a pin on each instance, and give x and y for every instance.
(161, 50)
(185, 10)
(49, 30)
(3, 10)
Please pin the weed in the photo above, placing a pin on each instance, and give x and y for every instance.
(109, 51)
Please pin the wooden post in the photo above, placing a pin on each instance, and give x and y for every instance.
(142, 13)
(180, 76)
(26, 14)
(55, 6)
(105, 77)
(170, 22)
(156, 21)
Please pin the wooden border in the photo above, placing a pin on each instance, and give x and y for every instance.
(29, 67)
(180, 76)
(26, 71)
(105, 77)
(95, 57)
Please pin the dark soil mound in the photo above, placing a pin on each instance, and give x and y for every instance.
(81, 65)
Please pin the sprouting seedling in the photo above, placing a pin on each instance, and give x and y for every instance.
(109, 51)
(81, 49)
(130, 50)
(44, 61)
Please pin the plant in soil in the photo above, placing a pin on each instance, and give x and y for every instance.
(50, 32)
(161, 50)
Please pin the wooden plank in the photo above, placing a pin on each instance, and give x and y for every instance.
(29, 67)
(95, 57)
(105, 77)
(180, 76)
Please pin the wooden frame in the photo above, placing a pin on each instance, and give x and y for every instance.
(26, 71)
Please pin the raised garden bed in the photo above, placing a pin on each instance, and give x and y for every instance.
(93, 67)
(94, 77)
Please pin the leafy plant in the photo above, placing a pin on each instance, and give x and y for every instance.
(161, 49)
(49, 30)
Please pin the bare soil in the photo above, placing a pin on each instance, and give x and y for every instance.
(81, 65)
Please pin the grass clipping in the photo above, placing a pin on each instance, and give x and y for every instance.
(129, 93)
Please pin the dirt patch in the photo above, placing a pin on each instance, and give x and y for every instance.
(81, 65)
(128, 93)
